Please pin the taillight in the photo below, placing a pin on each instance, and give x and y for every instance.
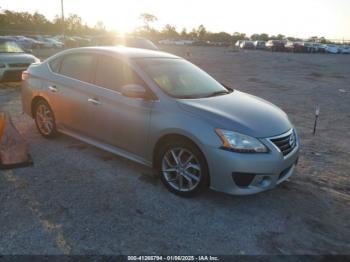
(25, 75)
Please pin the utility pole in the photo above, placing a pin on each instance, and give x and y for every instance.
(63, 27)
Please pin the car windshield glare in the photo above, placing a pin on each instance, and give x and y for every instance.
(9, 47)
(180, 79)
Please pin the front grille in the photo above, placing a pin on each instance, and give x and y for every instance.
(19, 65)
(285, 143)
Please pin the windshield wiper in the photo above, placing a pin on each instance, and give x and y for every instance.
(217, 93)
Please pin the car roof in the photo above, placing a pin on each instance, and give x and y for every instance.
(128, 52)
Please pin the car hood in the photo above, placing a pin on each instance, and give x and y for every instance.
(17, 58)
(240, 112)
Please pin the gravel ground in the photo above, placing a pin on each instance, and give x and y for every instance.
(77, 199)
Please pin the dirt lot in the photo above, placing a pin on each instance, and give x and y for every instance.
(77, 199)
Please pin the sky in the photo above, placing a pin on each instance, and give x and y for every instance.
(299, 18)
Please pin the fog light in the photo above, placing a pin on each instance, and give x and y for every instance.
(242, 179)
(265, 182)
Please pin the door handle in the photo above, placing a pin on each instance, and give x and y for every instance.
(94, 101)
(53, 89)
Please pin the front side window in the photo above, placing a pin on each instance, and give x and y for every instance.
(181, 79)
(112, 74)
(78, 66)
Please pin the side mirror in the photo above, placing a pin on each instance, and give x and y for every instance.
(28, 51)
(134, 91)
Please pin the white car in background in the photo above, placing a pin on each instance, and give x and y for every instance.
(51, 42)
(345, 49)
(333, 49)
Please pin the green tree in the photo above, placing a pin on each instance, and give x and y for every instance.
(184, 34)
(201, 32)
(219, 37)
(259, 37)
(169, 31)
(148, 19)
(73, 23)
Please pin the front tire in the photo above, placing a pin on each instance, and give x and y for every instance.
(45, 119)
(183, 168)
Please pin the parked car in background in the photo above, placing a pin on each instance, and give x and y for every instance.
(129, 41)
(309, 47)
(260, 44)
(318, 48)
(275, 45)
(29, 43)
(13, 60)
(238, 43)
(295, 47)
(345, 49)
(332, 49)
(247, 44)
(176, 42)
(52, 42)
(162, 111)
(42, 42)
(81, 41)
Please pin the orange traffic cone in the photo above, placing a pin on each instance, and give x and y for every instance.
(13, 148)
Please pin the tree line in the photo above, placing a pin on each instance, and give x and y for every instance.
(26, 23)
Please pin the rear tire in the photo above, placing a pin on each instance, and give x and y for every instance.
(182, 168)
(45, 119)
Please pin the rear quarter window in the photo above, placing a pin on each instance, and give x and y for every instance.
(55, 64)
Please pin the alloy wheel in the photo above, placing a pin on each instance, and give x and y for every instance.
(181, 169)
(44, 119)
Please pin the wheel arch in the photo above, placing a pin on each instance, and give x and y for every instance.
(35, 100)
(174, 137)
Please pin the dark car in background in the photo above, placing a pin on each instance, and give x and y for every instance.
(260, 44)
(295, 47)
(275, 45)
(128, 41)
(247, 45)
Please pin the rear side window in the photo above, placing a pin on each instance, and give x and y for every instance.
(78, 66)
(112, 74)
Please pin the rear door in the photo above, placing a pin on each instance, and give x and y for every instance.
(118, 120)
(70, 89)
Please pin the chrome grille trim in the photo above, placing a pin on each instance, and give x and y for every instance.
(282, 142)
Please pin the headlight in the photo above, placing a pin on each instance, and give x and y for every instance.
(2, 65)
(239, 142)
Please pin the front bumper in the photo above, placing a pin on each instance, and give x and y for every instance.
(255, 172)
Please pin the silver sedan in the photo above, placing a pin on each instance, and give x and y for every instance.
(162, 111)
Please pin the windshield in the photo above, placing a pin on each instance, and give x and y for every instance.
(7, 46)
(181, 79)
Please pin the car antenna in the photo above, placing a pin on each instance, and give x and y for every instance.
(317, 112)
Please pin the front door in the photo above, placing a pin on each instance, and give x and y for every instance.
(118, 120)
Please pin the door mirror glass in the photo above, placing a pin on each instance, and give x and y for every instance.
(135, 91)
